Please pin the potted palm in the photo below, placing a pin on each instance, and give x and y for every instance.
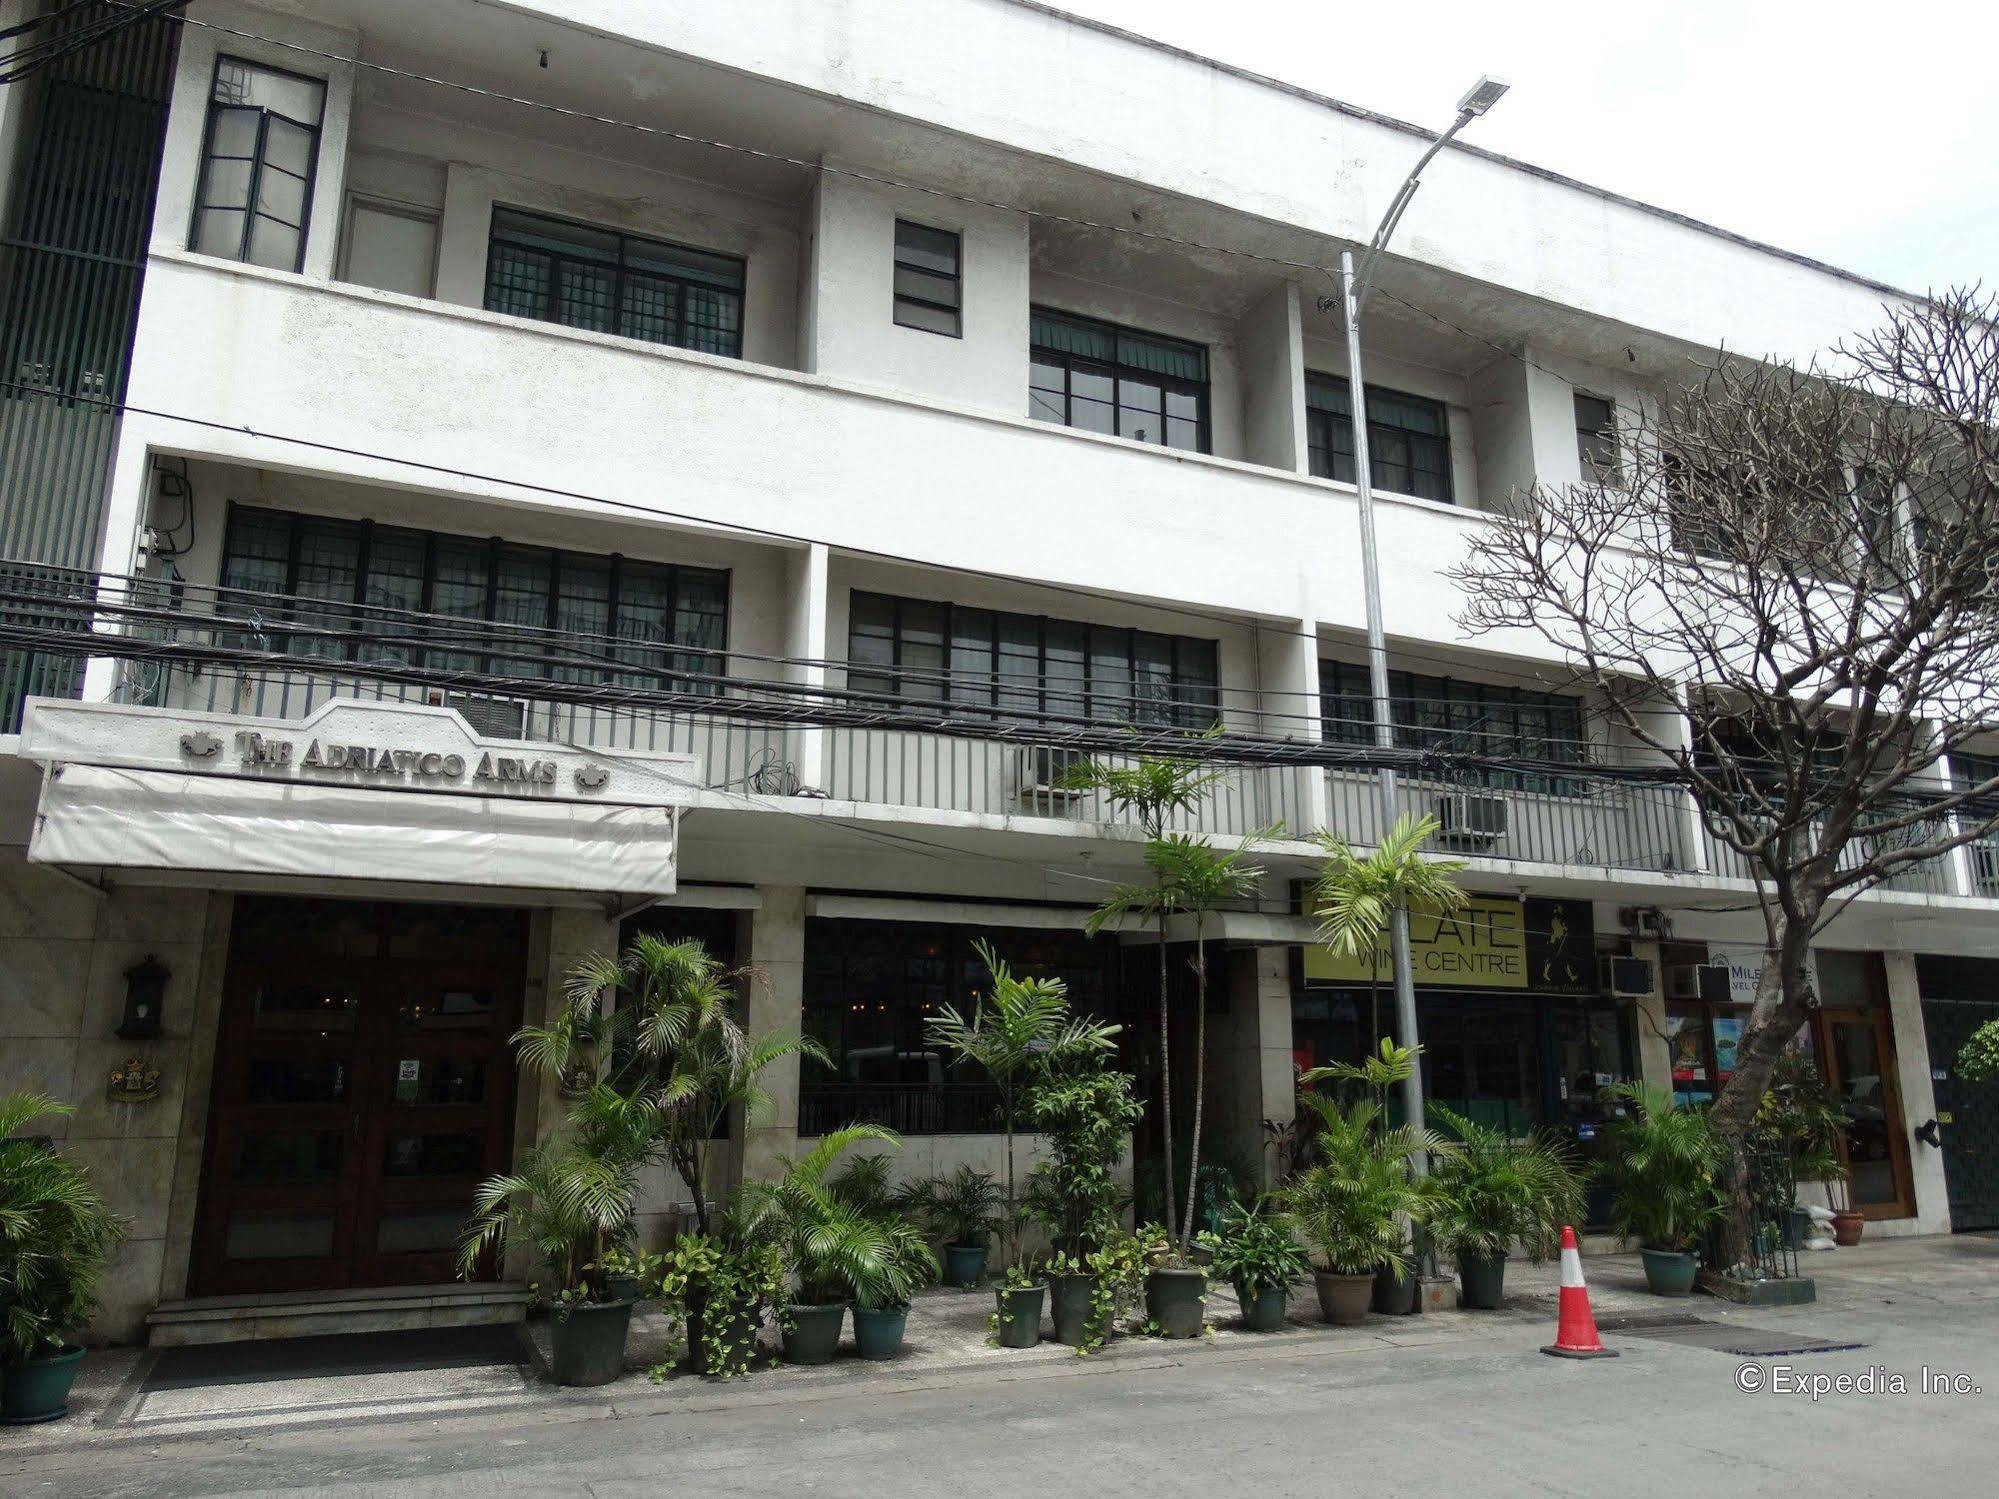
(1352, 1201)
(1256, 1249)
(1019, 1025)
(1493, 1192)
(55, 1236)
(1664, 1170)
(963, 1210)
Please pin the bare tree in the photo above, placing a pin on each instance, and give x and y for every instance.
(1788, 587)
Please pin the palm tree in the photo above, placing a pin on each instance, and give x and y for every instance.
(1355, 898)
(55, 1234)
(1153, 790)
(1018, 1024)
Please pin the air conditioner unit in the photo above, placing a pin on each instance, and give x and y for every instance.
(1043, 774)
(1708, 981)
(1627, 978)
(490, 717)
(1469, 818)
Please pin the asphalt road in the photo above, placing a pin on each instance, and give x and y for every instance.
(1485, 1417)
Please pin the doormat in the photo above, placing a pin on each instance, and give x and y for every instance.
(1743, 1342)
(207, 1365)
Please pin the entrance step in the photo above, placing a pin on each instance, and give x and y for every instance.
(307, 1314)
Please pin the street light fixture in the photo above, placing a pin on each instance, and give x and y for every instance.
(1480, 97)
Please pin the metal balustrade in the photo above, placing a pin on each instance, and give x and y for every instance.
(906, 1108)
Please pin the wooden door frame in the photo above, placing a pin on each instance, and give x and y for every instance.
(1896, 1118)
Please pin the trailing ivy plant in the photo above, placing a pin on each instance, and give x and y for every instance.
(1118, 1267)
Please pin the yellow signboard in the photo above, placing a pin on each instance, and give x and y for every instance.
(1481, 946)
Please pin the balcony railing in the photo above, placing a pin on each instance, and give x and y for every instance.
(906, 1108)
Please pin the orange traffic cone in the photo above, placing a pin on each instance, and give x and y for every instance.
(1575, 1333)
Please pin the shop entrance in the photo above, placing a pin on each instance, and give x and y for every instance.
(363, 1088)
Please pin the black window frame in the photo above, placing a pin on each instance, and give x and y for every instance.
(988, 691)
(250, 212)
(956, 276)
(1121, 372)
(621, 274)
(1329, 439)
(694, 667)
(1451, 714)
(1592, 442)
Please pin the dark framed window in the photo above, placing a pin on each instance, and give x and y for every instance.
(580, 276)
(1103, 378)
(1408, 438)
(1596, 439)
(331, 581)
(1467, 718)
(260, 152)
(929, 279)
(871, 988)
(948, 658)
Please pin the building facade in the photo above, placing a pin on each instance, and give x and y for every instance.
(532, 471)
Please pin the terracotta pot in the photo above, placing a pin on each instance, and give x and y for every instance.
(1344, 1299)
(1847, 1226)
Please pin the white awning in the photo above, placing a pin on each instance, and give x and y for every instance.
(97, 816)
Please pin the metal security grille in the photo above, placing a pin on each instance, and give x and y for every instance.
(71, 264)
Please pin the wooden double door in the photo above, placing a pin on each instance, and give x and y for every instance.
(364, 1086)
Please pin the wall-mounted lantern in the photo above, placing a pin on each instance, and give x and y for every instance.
(145, 996)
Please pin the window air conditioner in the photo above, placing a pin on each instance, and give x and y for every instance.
(1708, 981)
(1470, 818)
(1044, 772)
(490, 717)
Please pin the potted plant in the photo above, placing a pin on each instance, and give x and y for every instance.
(1256, 1249)
(55, 1236)
(1493, 1192)
(1663, 1168)
(1084, 1108)
(963, 1210)
(1019, 1026)
(1351, 1203)
(721, 1287)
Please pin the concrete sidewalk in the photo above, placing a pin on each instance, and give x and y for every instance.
(117, 1404)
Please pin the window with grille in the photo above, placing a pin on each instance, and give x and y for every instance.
(943, 658)
(259, 154)
(928, 279)
(1408, 438)
(1103, 378)
(1464, 718)
(584, 277)
(1596, 439)
(353, 590)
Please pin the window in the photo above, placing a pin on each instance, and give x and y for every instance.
(1467, 718)
(583, 277)
(928, 283)
(1408, 438)
(981, 661)
(1596, 439)
(345, 589)
(258, 156)
(1103, 378)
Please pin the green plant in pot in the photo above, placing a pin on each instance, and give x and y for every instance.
(1018, 1027)
(963, 1210)
(1492, 1192)
(1083, 1107)
(1256, 1249)
(1799, 1123)
(721, 1287)
(55, 1236)
(1664, 1168)
(1352, 1202)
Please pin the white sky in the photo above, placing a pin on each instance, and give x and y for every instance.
(1859, 133)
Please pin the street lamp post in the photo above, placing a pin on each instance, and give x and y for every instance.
(1477, 100)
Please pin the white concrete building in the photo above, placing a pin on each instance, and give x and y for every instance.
(519, 355)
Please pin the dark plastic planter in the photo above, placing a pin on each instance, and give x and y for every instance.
(1797, 1227)
(878, 1330)
(1263, 1311)
(1396, 1296)
(1669, 1272)
(1020, 1316)
(587, 1341)
(1484, 1279)
(1176, 1300)
(1069, 1306)
(964, 1265)
(37, 1389)
(1343, 1299)
(814, 1334)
